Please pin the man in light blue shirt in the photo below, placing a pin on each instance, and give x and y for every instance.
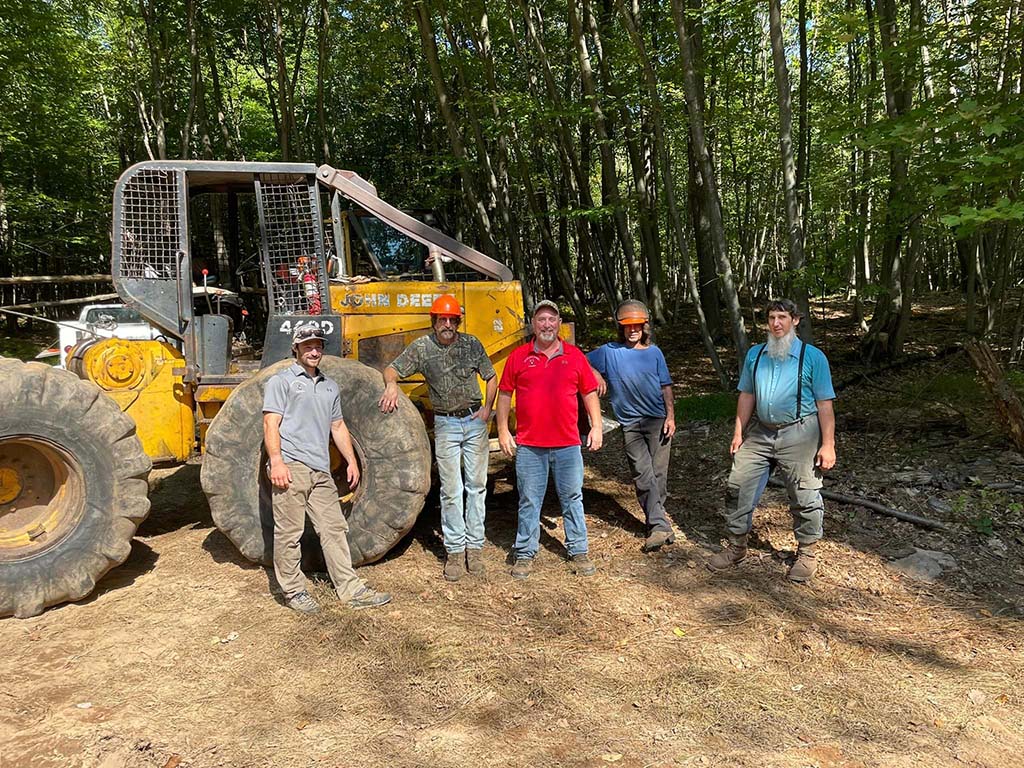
(789, 385)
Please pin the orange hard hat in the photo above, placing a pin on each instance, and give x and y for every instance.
(446, 306)
(632, 312)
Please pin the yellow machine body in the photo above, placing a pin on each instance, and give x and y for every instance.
(380, 319)
(146, 380)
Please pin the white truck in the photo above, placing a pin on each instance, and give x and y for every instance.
(116, 320)
(105, 321)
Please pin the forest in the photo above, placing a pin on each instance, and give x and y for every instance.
(862, 157)
(699, 155)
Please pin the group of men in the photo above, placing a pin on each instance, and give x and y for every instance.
(784, 381)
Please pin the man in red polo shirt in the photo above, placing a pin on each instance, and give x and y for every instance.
(545, 375)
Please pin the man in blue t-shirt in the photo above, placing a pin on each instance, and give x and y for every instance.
(634, 374)
(790, 386)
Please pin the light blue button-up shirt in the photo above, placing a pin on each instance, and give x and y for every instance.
(775, 388)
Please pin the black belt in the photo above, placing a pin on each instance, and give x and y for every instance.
(461, 413)
(777, 427)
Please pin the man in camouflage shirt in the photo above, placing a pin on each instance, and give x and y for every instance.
(451, 362)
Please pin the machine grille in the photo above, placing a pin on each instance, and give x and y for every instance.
(293, 239)
(150, 240)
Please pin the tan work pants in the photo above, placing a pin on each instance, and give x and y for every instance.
(311, 493)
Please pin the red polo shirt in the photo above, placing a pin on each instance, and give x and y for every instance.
(545, 390)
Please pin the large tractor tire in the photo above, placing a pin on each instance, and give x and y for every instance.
(73, 486)
(392, 449)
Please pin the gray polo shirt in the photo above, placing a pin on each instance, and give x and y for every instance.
(308, 406)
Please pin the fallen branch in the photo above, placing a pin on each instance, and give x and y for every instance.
(874, 506)
(53, 279)
(906, 362)
(64, 302)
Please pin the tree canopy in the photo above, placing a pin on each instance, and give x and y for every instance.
(678, 151)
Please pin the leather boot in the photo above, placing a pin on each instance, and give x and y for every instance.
(475, 562)
(731, 554)
(657, 540)
(455, 566)
(805, 565)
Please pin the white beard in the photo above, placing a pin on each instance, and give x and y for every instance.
(778, 349)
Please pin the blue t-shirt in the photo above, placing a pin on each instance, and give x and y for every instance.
(635, 378)
(775, 389)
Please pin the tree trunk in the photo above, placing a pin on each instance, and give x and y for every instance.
(803, 163)
(794, 221)
(898, 68)
(156, 46)
(707, 268)
(509, 219)
(1008, 404)
(579, 185)
(429, 45)
(695, 111)
(609, 174)
(321, 74)
(668, 188)
(218, 98)
(642, 161)
(497, 193)
(193, 61)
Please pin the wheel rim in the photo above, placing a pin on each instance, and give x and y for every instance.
(42, 493)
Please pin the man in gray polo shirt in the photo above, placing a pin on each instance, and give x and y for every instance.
(301, 414)
(452, 362)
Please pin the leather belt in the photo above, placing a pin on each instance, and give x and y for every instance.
(780, 426)
(461, 413)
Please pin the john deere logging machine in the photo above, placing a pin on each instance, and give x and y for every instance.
(77, 445)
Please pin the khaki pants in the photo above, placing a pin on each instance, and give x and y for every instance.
(315, 494)
(792, 449)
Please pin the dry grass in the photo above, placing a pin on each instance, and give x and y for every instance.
(653, 662)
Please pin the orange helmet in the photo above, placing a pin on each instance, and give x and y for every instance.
(446, 306)
(632, 312)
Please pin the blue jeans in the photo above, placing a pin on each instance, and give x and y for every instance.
(532, 466)
(462, 451)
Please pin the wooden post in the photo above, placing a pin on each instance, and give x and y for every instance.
(1008, 404)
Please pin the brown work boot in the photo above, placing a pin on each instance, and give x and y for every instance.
(582, 565)
(731, 554)
(522, 567)
(455, 566)
(805, 565)
(475, 562)
(657, 540)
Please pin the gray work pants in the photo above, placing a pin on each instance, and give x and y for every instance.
(792, 449)
(648, 454)
(315, 494)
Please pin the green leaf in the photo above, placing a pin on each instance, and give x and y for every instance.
(995, 128)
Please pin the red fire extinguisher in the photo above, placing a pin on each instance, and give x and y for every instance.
(310, 286)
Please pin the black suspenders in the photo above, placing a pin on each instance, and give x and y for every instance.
(799, 377)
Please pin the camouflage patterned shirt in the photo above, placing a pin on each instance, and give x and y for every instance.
(451, 371)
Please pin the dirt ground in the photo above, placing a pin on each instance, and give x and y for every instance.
(184, 656)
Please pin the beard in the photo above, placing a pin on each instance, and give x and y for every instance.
(547, 336)
(778, 348)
